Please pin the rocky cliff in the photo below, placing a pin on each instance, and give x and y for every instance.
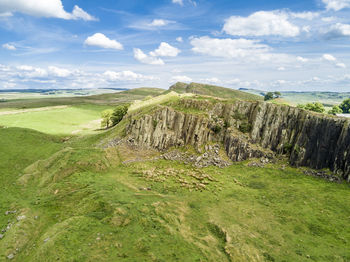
(248, 130)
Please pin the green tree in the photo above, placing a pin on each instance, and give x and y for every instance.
(335, 110)
(106, 118)
(315, 107)
(277, 94)
(345, 106)
(118, 114)
(269, 96)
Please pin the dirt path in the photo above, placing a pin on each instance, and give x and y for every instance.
(21, 111)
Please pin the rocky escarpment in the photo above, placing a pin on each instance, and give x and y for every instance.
(248, 130)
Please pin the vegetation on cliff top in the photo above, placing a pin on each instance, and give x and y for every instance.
(215, 91)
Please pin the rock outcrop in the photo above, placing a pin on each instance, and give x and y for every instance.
(249, 130)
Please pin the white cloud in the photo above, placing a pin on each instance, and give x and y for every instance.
(101, 40)
(181, 79)
(229, 48)
(127, 76)
(59, 72)
(329, 58)
(261, 23)
(332, 59)
(79, 13)
(9, 47)
(179, 39)
(212, 80)
(328, 19)
(43, 8)
(180, 2)
(302, 59)
(336, 5)
(159, 22)
(26, 71)
(166, 50)
(145, 59)
(338, 30)
(305, 15)
(341, 65)
(281, 68)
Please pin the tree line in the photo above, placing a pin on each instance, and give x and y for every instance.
(112, 117)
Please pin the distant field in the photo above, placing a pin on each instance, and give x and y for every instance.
(110, 99)
(82, 119)
(35, 94)
(294, 98)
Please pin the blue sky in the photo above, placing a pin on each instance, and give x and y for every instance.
(270, 45)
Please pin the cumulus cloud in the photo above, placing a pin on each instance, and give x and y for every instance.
(103, 41)
(146, 59)
(302, 59)
(26, 71)
(180, 2)
(23, 76)
(338, 30)
(229, 48)
(329, 57)
(212, 80)
(159, 22)
(179, 39)
(180, 79)
(336, 5)
(340, 65)
(59, 72)
(261, 23)
(304, 15)
(127, 76)
(165, 50)
(43, 8)
(9, 47)
(79, 13)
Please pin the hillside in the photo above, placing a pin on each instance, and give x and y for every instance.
(180, 178)
(211, 90)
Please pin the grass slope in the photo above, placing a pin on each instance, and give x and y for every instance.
(211, 90)
(102, 210)
(81, 119)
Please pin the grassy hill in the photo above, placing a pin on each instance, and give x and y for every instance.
(211, 90)
(75, 200)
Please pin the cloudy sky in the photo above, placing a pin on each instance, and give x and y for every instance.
(268, 45)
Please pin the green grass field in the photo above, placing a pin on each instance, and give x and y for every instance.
(82, 210)
(80, 119)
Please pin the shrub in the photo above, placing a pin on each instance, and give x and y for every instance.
(245, 127)
(315, 107)
(287, 148)
(345, 106)
(216, 129)
(335, 110)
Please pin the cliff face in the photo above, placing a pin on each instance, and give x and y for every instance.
(250, 129)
